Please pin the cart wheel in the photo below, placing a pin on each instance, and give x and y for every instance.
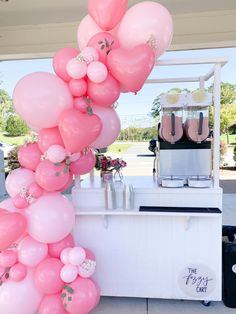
(206, 303)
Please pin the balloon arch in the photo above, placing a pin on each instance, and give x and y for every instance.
(41, 268)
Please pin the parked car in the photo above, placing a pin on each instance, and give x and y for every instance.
(152, 146)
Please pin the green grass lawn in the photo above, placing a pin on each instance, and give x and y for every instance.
(120, 148)
(232, 138)
(14, 140)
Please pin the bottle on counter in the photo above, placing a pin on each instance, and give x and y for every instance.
(110, 196)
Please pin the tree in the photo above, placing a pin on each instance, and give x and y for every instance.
(15, 126)
(6, 108)
(228, 93)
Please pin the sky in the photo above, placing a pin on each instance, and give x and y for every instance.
(129, 104)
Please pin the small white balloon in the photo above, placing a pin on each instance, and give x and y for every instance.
(65, 255)
(76, 256)
(97, 72)
(56, 153)
(68, 273)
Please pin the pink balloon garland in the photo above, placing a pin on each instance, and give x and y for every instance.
(72, 112)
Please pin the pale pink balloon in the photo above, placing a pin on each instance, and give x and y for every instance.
(40, 98)
(81, 104)
(18, 272)
(104, 43)
(19, 201)
(19, 179)
(51, 177)
(20, 297)
(68, 273)
(35, 190)
(105, 93)
(78, 130)
(131, 68)
(107, 13)
(60, 60)
(89, 54)
(76, 69)
(84, 164)
(47, 276)
(97, 72)
(48, 137)
(12, 227)
(55, 249)
(64, 256)
(78, 87)
(110, 126)
(50, 218)
(146, 22)
(84, 297)
(86, 30)
(29, 156)
(52, 304)
(31, 252)
(56, 153)
(8, 205)
(8, 258)
(77, 256)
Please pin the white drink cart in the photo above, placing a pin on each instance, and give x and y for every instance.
(173, 252)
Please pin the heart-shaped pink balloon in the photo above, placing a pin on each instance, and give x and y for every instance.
(78, 130)
(12, 226)
(131, 68)
(107, 13)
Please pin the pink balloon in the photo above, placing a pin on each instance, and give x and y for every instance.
(29, 156)
(60, 60)
(84, 164)
(8, 258)
(104, 43)
(47, 276)
(131, 68)
(78, 130)
(40, 98)
(51, 177)
(55, 249)
(107, 13)
(12, 227)
(156, 27)
(68, 273)
(19, 201)
(52, 304)
(56, 153)
(48, 137)
(78, 87)
(86, 30)
(64, 256)
(20, 297)
(50, 218)
(8, 205)
(76, 69)
(31, 252)
(110, 126)
(68, 183)
(97, 72)
(89, 54)
(19, 179)
(89, 254)
(77, 256)
(18, 272)
(84, 297)
(35, 190)
(81, 104)
(105, 93)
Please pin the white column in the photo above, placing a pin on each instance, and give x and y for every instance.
(216, 148)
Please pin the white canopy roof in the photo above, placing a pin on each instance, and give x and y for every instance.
(33, 29)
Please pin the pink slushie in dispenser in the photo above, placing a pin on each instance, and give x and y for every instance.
(171, 129)
(197, 122)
